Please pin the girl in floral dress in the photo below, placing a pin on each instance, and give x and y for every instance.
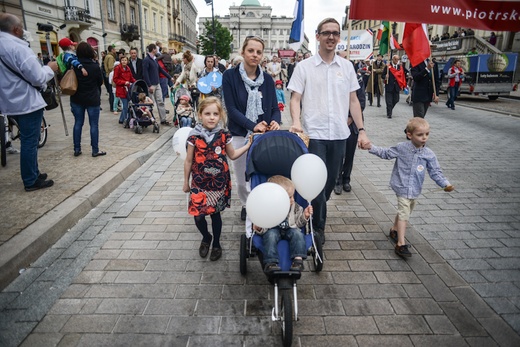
(210, 191)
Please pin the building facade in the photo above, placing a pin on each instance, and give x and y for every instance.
(188, 25)
(253, 19)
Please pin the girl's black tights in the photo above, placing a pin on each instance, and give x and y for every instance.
(216, 223)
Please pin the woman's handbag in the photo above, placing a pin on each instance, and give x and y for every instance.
(50, 98)
(69, 83)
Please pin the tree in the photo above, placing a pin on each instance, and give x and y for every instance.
(224, 39)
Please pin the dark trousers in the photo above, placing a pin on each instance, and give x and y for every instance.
(420, 109)
(391, 98)
(108, 87)
(332, 153)
(348, 162)
(378, 96)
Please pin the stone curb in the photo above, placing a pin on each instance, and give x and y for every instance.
(28, 245)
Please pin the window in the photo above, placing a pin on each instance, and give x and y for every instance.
(154, 22)
(87, 6)
(161, 25)
(111, 10)
(132, 15)
(145, 19)
(122, 12)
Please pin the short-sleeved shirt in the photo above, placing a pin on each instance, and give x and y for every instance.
(325, 91)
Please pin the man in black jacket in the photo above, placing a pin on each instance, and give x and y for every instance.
(136, 64)
(422, 92)
(392, 87)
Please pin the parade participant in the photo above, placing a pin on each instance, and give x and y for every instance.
(250, 99)
(209, 145)
(455, 76)
(326, 78)
(413, 159)
(20, 77)
(395, 81)
(423, 91)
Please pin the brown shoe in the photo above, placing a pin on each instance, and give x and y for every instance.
(204, 248)
(216, 253)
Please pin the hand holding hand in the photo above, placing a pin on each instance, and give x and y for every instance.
(449, 188)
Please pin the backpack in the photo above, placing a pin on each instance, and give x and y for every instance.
(61, 64)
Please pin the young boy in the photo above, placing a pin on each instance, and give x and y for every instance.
(413, 158)
(280, 95)
(69, 55)
(289, 230)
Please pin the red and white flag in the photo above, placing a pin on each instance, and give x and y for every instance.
(394, 44)
(416, 43)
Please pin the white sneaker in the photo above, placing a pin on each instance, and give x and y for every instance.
(12, 150)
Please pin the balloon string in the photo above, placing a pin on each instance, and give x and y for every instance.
(318, 258)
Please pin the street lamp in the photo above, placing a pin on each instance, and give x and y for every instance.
(214, 33)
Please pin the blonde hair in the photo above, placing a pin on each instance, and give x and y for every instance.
(252, 38)
(284, 182)
(141, 96)
(210, 101)
(416, 122)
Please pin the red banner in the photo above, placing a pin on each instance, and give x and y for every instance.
(490, 15)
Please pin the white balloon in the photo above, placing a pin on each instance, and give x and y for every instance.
(309, 175)
(179, 141)
(267, 205)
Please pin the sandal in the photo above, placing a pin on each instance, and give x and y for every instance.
(216, 253)
(393, 235)
(204, 248)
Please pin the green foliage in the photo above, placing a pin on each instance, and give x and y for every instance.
(224, 39)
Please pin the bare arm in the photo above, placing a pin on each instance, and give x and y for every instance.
(233, 153)
(296, 126)
(355, 111)
(187, 168)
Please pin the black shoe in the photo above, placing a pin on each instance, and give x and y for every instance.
(337, 189)
(165, 122)
(98, 154)
(370, 104)
(120, 122)
(243, 214)
(204, 248)
(216, 253)
(347, 187)
(393, 235)
(77, 153)
(378, 105)
(402, 251)
(39, 184)
(42, 176)
(389, 117)
(297, 265)
(271, 267)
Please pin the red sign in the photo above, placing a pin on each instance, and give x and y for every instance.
(286, 53)
(490, 15)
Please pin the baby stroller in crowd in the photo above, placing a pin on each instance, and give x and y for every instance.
(274, 153)
(140, 115)
(186, 118)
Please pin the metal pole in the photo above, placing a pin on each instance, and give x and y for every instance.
(103, 27)
(214, 33)
(56, 85)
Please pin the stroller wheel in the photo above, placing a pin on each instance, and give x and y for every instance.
(286, 319)
(156, 128)
(139, 129)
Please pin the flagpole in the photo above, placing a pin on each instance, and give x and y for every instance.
(348, 39)
(433, 79)
(372, 81)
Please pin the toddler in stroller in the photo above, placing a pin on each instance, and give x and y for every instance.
(140, 108)
(184, 112)
(146, 107)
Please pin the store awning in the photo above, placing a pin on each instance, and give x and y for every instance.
(289, 53)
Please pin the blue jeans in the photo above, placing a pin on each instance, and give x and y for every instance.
(296, 243)
(453, 96)
(184, 122)
(79, 119)
(332, 153)
(124, 114)
(29, 125)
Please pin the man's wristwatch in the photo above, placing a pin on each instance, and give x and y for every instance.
(361, 129)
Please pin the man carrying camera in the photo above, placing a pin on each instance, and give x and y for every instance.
(21, 76)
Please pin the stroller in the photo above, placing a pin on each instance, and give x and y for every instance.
(274, 153)
(136, 118)
(175, 97)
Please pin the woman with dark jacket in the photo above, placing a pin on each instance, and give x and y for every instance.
(123, 78)
(250, 99)
(87, 98)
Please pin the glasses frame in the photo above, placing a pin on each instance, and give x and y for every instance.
(328, 33)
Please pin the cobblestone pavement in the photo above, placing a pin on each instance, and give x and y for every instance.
(129, 272)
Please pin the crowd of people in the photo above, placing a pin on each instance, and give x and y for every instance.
(250, 100)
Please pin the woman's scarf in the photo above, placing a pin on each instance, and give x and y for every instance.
(254, 98)
(206, 134)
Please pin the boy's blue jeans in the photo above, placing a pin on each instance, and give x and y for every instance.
(296, 243)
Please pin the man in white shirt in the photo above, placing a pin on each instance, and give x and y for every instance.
(326, 87)
(20, 76)
(274, 68)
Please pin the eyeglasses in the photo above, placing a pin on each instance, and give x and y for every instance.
(328, 33)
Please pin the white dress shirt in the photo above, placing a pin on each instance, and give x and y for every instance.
(325, 91)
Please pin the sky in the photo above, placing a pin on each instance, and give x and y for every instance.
(314, 12)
